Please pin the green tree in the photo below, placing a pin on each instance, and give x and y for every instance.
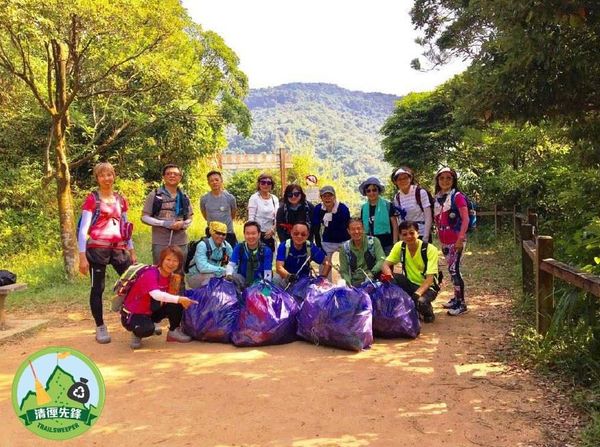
(107, 72)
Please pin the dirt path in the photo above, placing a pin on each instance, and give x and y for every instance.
(442, 389)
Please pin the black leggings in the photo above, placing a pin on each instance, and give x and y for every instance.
(98, 259)
(410, 288)
(142, 325)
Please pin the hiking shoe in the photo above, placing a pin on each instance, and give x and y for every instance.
(459, 309)
(426, 309)
(136, 342)
(178, 336)
(157, 329)
(450, 304)
(102, 336)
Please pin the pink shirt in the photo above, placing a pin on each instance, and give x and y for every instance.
(138, 299)
(446, 232)
(107, 227)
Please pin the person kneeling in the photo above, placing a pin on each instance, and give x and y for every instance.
(148, 301)
(252, 260)
(295, 254)
(420, 276)
(361, 257)
(210, 258)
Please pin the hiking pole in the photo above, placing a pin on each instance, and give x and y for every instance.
(299, 270)
(367, 276)
(170, 237)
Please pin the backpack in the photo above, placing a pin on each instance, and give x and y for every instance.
(288, 246)
(370, 257)
(124, 284)
(126, 228)
(454, 216)
(7, 278)
(418, 190)
(437, 280)
(190, 258)
(158, 201)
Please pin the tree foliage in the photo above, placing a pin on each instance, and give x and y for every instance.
(138, 88)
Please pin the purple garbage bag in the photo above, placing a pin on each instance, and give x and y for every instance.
(267, 317)
(213, 319)
(394, 312)
(340, 317)
(299, 289)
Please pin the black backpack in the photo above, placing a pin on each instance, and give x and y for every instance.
(418, 199)
(7, 278)
(437, 280)
(158, 202)
(370, 257)
(193, 245)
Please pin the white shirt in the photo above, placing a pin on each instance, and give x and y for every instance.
(408, 203)
(263, 211)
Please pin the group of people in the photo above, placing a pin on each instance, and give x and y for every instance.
(384, 234)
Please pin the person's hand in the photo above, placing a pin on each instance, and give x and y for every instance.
(133, 256)
(385, 277)
(269, 234)
(459, 244)
(416, 296)
(186, 302)
(292, 277)
(84, 266)
(229, 277)
(178, 225)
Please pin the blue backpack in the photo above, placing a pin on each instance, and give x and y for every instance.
(454, 217)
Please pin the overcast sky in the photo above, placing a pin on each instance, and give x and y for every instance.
(362, 45)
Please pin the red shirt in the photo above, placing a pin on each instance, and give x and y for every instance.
(447, 234)
(138, 298)
(107, 227)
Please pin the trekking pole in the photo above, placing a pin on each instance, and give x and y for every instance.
(170, 237)
(299, 270)
(367, 276)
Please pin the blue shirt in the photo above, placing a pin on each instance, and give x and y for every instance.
(296, 258)
(336, 230)
(212, 265)
(240, 258)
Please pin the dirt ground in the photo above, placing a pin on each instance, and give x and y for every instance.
(443, 389)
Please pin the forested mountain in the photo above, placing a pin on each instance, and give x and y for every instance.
(342, 125)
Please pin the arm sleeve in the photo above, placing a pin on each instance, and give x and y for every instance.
(461, 203)
(428, 223)
(153, 221)
(202, 261)
(268, 261)
(432, 260)
(278, 221)
(252, 208)
(86, 220)
(379, 255)
(344, 266)
(165, 297)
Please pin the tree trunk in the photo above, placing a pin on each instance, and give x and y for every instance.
(64, 197)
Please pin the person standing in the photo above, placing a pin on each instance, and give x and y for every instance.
(104, 238)
(168, 211)
(262, 208)
(330, 222)
(413, 202)
(294, 208)
(452, 220)
(378, 215)
(218, 205)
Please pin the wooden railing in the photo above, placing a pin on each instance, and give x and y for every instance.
(539, 269)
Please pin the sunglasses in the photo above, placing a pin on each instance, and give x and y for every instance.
(218, 233)
(266, 182)
(372, 190)
(294, 194)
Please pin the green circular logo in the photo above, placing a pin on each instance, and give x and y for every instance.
(58, 393)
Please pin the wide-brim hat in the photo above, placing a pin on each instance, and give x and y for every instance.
(371, 181)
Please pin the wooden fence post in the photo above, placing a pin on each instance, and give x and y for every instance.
(544, 285)
(516, 227)
(532, 219)
(495, 219)
(526, 262)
